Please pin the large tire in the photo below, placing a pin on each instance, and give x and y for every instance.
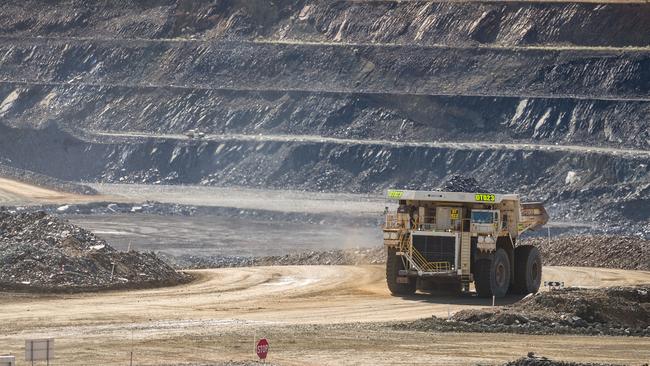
(492, 277)
(528, 270)
(393, 265)
(482, 277)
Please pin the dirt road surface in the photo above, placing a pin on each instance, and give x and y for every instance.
(312, 315)
(388, 143)
(248, 198)
(13, 192)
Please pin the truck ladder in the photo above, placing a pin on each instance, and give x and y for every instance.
(465, 254)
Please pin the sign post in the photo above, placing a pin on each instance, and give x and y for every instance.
(39, 350)
(262, 349)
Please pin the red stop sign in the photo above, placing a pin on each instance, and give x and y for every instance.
(262, 348)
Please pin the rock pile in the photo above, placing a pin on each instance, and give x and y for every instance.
(608, 311)
(460, 183)
(625, 252)
(190, 261)
(532, 360)
(39, 252)
(332, 257)
(226, 363)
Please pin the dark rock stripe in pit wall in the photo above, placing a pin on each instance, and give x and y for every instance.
(343, 115)
(320, 165)
(394, 70)
(420, 22)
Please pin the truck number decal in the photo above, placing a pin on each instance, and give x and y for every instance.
(484, 197)
(395, 194)
(454, 214)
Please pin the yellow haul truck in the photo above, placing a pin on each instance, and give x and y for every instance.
(447, 240)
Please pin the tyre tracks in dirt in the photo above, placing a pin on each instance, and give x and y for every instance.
(290, 305)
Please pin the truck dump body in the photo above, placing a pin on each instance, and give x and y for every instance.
(455, 234)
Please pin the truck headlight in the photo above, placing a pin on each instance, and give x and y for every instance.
(393, 235)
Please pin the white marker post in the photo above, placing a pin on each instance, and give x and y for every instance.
(131, 362)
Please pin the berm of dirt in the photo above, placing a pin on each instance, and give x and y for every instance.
(42, 253)
(620, 311)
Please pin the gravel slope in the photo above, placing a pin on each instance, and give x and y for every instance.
(42, 253)
(609, 311)
(610, 251)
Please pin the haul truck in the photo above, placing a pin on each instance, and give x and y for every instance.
(448, 240)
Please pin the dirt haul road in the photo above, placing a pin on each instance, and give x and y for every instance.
(13, 192)
(311, 314)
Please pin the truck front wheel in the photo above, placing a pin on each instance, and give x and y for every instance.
(492, 276)
(394, 264)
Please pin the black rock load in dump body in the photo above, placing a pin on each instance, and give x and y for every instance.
(460, 183)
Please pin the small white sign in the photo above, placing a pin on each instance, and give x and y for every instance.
(7, 361)
(554, 284)
(39, 349)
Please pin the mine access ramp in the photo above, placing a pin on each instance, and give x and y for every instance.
(448, 240)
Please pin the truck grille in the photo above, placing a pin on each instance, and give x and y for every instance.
(436, 248)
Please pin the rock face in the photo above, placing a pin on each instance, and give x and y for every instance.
(546, 99)
(599, 194)
(39, 252)
(418, 23)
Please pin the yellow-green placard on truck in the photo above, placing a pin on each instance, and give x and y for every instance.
(395, 194)
(484, 197)
(454, 214)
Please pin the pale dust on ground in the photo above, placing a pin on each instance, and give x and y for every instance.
(309, 314)
(13, 192)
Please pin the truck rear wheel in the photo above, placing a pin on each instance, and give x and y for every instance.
(528, 270)
(394, 264)
(492, 276)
